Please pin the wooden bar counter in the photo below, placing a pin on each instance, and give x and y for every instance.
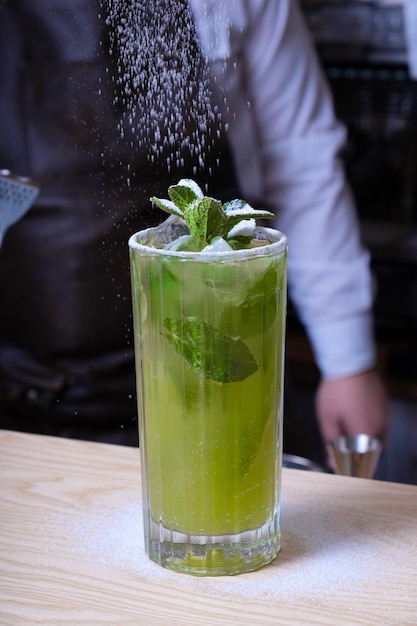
(71, 548)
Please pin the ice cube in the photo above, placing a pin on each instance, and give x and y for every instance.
(182, 243)
(218, 244)
(168, 231)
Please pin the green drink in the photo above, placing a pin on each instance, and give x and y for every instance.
(209, 335)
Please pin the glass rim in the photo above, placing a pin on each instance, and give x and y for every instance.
(278, 243)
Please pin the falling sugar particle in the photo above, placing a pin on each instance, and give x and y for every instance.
(162, 79)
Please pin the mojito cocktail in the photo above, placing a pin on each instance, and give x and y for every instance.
(209, 336)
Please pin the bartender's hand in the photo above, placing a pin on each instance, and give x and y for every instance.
(352, 405)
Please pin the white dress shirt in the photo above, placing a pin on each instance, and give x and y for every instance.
(285, 140)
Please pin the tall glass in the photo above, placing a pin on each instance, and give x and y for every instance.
(209, 344)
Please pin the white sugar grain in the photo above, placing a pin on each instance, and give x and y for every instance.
(162, 81)
(317, 558)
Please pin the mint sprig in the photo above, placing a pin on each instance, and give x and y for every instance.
(208, 219)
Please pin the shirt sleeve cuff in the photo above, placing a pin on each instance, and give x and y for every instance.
(345, 347)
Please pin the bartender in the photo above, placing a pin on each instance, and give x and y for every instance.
(66, 349)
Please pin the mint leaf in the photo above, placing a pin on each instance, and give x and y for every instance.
(191, 185)
(239, 210)
(167, 205)
(237, 243)
(183, 197)
(205, 219)
(216, 222)
(210, 351)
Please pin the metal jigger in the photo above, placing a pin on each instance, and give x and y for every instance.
(355, 455)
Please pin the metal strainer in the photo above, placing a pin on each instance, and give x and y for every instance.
(17, 194)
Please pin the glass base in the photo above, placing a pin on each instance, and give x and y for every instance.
(215, 555)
